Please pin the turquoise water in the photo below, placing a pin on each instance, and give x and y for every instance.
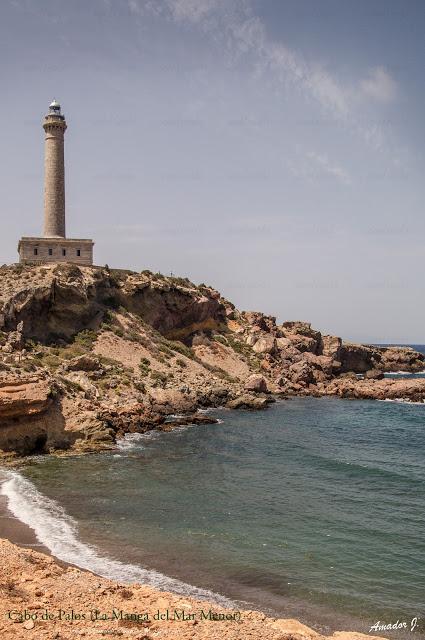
(312, 509)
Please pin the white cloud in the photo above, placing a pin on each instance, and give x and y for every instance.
(243, 33)
(379, 85)
(193, 10)
(246, 33)
(147, 7)
(335, 170)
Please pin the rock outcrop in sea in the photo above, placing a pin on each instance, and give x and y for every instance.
(88, 354)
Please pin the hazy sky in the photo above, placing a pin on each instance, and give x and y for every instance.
(270, 148)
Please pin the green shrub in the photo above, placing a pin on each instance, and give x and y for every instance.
(86, 338)
(175, 345)
(133, 336)
(159, 377)
(221, 339)
(30, 345)
(144, 366)
(164, 349)
(240, 347)
(28, 366)
(108, 317)
(51, 361)
(70, 384)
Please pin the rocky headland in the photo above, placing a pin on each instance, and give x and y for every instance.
(88, 354)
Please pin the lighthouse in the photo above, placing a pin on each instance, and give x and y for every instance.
(54, 172)
(54, 246)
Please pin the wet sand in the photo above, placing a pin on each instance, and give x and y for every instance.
(16, 531)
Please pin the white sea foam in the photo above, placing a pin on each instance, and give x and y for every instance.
(57, 531)
(136, 440)
(404, 373)
(403, 401)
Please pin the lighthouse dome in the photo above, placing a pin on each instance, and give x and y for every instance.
(55, 108)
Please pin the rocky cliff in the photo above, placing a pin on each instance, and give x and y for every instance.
(87, 354)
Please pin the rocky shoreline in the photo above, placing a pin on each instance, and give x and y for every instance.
(88, 354)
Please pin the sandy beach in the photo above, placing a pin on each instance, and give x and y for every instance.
(42, 597)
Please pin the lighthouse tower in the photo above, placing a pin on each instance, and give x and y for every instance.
(54, 246)
(54, 173)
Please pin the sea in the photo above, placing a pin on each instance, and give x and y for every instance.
(313, 509)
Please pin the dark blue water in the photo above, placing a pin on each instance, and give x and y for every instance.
(313, 509)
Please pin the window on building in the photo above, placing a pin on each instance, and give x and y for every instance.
(64, 252)
(50, 252)
(36, 252)
(78, 252)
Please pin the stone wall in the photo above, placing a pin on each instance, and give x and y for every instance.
(39, 250)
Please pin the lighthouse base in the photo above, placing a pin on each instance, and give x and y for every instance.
(41, 250)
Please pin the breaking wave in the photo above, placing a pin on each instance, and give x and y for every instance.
(57, 531)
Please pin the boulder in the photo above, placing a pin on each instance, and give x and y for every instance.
(256, 383)
(374, 374)
(283, 343)
(165, 401)
(323, 363)
(265, 344)
(303, 343)
(331, 346)
(301, 373)
(301, 328)
(260, 322)
(247, 401)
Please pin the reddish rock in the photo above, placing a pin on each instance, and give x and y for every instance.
(256, 383)
(21, 397)
(401, 359)
(265, 344)
(331, 346)
(301, 373)
(247, 401)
